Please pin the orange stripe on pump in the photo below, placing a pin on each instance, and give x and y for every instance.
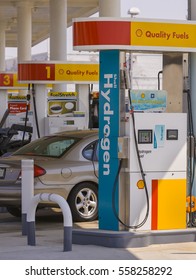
(154, 214)
(101, 33)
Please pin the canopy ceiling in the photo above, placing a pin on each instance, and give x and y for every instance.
(40, 17)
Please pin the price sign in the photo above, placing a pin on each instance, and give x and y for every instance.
(58, 72)
(36, 72)
(6, 79)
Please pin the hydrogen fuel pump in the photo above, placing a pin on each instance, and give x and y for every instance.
(143, 174)
(155, 146)
(148, 173)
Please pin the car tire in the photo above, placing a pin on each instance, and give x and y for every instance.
(14, 211)
(83, 202)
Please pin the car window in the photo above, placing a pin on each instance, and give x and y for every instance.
(89, 151)
(97, 152)
(48, 146)
(58, 148)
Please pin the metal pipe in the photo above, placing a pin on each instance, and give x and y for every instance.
(67, 218)
(27, 190)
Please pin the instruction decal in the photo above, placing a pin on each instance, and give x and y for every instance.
(159, 136)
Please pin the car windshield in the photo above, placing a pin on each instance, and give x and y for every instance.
(51, 146)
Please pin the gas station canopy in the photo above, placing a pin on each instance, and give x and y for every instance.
(40, 17)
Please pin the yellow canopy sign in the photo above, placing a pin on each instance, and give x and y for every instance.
(163, 34)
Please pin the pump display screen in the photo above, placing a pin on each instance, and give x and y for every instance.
(172, 134)
(145, 136)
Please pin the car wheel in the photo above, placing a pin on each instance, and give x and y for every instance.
(83, 202)
(14, 211)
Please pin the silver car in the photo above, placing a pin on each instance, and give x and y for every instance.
(64, 163)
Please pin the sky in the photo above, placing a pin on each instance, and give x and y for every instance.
(160, 9)
(155, 9)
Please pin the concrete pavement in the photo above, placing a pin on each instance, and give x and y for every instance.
(49, 245)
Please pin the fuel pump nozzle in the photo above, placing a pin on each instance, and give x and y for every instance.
(35, 110)
(28, 97)
(125, 81)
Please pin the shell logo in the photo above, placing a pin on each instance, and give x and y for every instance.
(140, 184)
